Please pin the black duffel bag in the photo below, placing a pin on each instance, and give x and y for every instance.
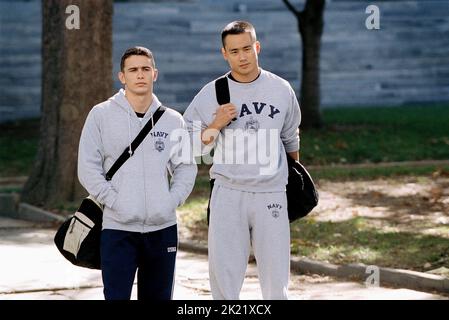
(302, 195)
(78, 238)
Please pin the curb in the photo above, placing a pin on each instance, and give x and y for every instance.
(386, 276)
(189, 247)
(10, 207)
(9, 203)
(14, 179)
(28, 212)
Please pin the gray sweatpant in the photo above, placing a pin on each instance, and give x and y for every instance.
(239, 219)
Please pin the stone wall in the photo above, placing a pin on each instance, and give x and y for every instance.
(405, 62)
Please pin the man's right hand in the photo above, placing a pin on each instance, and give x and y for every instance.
(224, 115)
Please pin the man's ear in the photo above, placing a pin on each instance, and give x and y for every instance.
(223, 52)
(155, 74)
(257, 47)
(121, 77)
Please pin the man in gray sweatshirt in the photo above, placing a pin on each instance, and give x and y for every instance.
(139, 230)
(251, 136)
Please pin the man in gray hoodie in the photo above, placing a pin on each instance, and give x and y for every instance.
(139, 231)
(252, 136)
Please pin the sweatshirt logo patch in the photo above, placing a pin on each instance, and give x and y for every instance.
(252, 125)
(159, 145)
(171, 249)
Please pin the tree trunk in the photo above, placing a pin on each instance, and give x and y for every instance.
(76, 75)
(310, 26)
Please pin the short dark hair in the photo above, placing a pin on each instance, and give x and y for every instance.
(238, 27)
(137, 51)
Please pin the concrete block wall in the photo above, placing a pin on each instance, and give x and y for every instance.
(405, 62)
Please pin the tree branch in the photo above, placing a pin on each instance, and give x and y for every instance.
(291, 7)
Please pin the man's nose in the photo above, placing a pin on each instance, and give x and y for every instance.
(242, 56)
(140, 73)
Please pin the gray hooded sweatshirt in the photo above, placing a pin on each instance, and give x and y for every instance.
(139, 197)
(250, 153)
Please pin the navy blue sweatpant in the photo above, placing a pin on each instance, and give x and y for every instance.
(151, 254)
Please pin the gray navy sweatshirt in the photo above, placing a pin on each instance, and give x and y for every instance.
(250, 153)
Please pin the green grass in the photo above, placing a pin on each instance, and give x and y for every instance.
(193, 212)
(18, 147)
(345, 174)
(10, 189)
(358, 135)
(355, 240)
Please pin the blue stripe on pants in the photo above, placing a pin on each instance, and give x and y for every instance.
(151, 254)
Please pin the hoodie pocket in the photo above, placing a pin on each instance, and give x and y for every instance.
(162, 206)
(129, 206)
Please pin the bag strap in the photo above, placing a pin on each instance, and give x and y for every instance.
(127, 153)
(222, 90)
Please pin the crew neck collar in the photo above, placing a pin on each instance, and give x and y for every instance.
(230, 77)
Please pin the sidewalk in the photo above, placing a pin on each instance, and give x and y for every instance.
(32, 268)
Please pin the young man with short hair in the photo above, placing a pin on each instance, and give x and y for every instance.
(139, 221)
(248, 204)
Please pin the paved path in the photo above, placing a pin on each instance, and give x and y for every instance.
(32, 268)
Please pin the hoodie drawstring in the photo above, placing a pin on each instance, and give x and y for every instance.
(152, 122)
(130, 151)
